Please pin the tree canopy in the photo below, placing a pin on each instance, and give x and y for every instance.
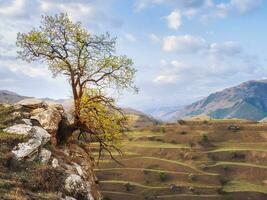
(91, 65)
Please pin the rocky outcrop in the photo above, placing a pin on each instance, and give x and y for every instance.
(39, 122)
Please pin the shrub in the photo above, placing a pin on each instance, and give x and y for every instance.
(163, 176)
(181, 122)
(128, 187)
(162, 129)
(106, 198)
(192, 177)
(174, 142)
(223, 180)
(205, 137)
(183, 132)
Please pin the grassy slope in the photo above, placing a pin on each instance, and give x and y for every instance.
(150, 147)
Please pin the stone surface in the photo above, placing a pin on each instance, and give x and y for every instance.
(48, 118)
(55, 163)
(27, 150)
(68, 198)
(22, 129)
(32, 103)
(44, 156)
(75, 185)
(27, 122)
(40, 134)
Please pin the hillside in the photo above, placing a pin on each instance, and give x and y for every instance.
(137, 119)
(10, 97)
(245, 101)
(193, 160)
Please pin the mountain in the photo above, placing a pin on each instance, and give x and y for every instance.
(245, 101)
(163, 113)
(10, 97)
(138, 119)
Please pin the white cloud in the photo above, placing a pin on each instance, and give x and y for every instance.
(155, 39)
(13, 9)
(130, 37)
(245, 6)
(167, 78)
(183, 44)
(77, 11)
(228, 48)
(174, 19)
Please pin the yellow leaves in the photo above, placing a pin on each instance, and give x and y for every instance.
(99, 115)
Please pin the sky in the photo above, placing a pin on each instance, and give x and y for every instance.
(183, 50)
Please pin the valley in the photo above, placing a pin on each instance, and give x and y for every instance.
(197, 159)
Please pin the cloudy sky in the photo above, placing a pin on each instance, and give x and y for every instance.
(183, 49)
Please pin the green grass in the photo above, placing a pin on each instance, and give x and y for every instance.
(158, 185)
(154, 144)
(240, 186)
(143, 169)
(167, 161)
(238, 164)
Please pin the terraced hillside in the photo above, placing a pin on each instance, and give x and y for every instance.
(213, 160)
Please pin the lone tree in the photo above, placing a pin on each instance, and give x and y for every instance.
(91, 65)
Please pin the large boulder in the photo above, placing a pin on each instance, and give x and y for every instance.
(32, 103)
(21, 129)
(76, 187)
(30, 148)
(48, 118)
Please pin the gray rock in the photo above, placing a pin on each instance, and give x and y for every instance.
(26, 150)
(40, 134)
(77, 187)
(21, 129)
(29, 149)
(68, 198)
(55, 163)
(48, 118)
(44, 156)
(27, 122)
(32, 103)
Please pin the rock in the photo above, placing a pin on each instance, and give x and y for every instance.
(68, 198)
(29, 149)
(175, 188)
(27, 122)
(40, 134)
(32, 103)
(48, 118)
(21, 129)
(79, 169)
(77, 187)
(44, 156)
(55, 163)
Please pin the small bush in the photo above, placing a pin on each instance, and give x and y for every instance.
(192, 177)
(163, 176)
(162, 129)
(225, 168)
(181, 122)
(129, 187)
(183, 132)
(174, 142)
(224, 180)
(106, 198)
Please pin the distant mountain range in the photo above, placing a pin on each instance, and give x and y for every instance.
(245, 101)
(136, 118)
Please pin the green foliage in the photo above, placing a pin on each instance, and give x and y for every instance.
(71, 50)
(162, 129)
(192, 177)
(163, 176)
(102, 119)
(204, 137)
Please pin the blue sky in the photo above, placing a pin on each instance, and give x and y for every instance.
(183, 49)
